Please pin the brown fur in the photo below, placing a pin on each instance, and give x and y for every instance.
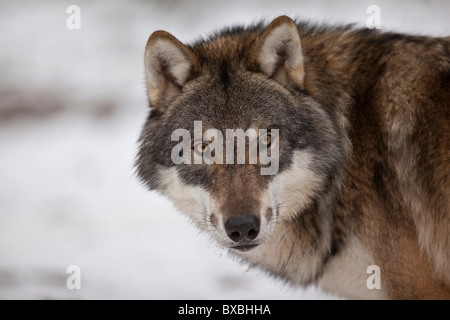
(388, 96)
(399, 172)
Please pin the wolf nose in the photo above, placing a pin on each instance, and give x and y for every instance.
(244, 227)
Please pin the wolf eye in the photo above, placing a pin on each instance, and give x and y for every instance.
(200, 147)
(266, 140)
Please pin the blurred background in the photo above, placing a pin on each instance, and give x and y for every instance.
(72, 103)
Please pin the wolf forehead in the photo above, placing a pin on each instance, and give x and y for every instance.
(226, 50)
(224, 92)
(223, 56)
(216, 80)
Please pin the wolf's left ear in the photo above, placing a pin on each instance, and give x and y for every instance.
(168, 66)
(277, 53)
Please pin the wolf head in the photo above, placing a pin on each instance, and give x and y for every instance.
(239, 79)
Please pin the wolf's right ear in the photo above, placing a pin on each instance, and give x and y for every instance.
(168, 66)
(277, 53)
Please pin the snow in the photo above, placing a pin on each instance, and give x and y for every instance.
(71, 108)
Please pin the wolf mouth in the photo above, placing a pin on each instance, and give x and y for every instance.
(245, 247)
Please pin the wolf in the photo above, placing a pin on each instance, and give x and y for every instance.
(364, 151)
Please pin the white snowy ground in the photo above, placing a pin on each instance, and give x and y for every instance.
(68, 195)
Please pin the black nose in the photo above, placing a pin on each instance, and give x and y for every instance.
(243, 227)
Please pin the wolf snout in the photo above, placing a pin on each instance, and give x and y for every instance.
(242, 228)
